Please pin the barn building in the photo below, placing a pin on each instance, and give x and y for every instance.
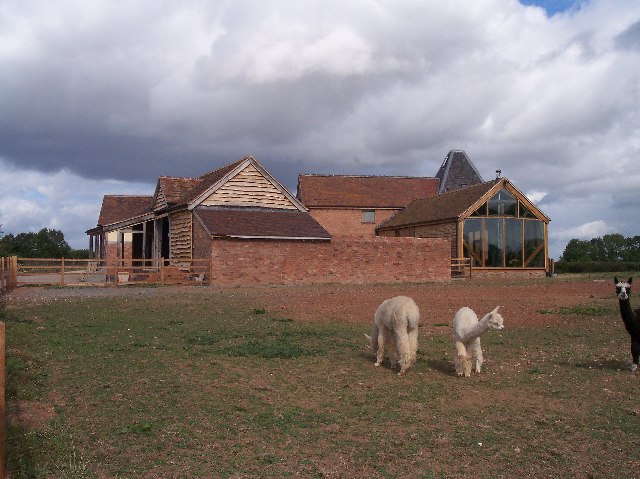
(251, 229)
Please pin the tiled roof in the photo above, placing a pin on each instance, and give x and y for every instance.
(363, 191)
(457, 171)
(446, 206)
(117, 208)
(183, 190)
(260, 223)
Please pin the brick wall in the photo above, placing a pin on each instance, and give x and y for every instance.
(349, 221)
(506, 273)
(442, 230)
(201, 240)
(343, 260)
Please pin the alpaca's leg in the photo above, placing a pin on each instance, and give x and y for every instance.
(402, 343)
(477, 355)
(382, 342)
(635, 354)
(461, 359)
(413, 344)
(392, 351)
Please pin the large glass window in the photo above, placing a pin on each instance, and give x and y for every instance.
(534, 244)
(472, 241)
(513, 243)
(504, 233)
(494, 247)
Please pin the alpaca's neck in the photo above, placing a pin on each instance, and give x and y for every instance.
(478, 329)
(625, 309)
(629, 318)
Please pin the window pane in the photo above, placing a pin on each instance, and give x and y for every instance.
(495, 250)
(368, 216)
(534, 252)
(524, 212)
(513, 243)
(472, 241)
(502, 203)
(482, 211)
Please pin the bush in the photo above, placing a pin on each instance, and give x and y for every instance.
(595, 266)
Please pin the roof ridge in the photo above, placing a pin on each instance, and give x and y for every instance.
(331, 175)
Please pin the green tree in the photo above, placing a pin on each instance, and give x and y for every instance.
(632, 250)
(46, 243)
(612, 247)
(576, 251)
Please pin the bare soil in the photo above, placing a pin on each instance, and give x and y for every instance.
(522, 303)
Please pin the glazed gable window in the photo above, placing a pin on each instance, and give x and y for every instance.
(504, 233)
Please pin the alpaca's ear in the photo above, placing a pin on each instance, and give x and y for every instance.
(496, 310)
(629, 280)
(615, 280)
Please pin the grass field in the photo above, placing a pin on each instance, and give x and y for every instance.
(196, 383)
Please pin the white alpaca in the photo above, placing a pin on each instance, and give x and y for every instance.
(395, 328)
(466, 338)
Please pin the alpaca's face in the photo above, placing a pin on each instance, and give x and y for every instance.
(496, 321)
(623, 290)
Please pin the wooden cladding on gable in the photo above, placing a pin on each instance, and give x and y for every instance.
(249, 188)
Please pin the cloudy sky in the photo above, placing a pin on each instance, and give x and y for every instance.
(102, 97)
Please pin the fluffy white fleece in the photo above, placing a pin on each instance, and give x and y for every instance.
(395, 330)
(466, 338)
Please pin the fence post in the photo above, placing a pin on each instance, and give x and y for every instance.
(211, 270)
(162, 271)
(2, 281)
(2, 404)
(61, 271)
(13, 271)
(470, 267)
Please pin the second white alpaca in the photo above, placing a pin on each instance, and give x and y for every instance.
(395, 327)
(466, 338)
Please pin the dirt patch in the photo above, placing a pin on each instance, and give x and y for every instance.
(31, 414)
(521, 303)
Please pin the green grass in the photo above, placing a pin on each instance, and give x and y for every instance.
(193, 385)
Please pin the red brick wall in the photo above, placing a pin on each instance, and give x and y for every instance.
(349, 222)
(343, 260)
(506, 273)
(201, 240)
(442, 230)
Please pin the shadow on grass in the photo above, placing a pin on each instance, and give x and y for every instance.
(442, 366)
(604, 364)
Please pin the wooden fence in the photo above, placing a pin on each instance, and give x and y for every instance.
(8, 273)
(84, 272)
(461, 268)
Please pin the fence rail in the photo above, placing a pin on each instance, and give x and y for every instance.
(79, 272)
(461, 268)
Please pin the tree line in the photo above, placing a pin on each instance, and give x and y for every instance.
(46, 243)
(613, 247)
(612, 252)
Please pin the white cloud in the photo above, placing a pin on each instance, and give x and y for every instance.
(585, 231)
(32, 200)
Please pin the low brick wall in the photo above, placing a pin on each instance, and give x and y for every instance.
(343, 260)
(505, 273)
